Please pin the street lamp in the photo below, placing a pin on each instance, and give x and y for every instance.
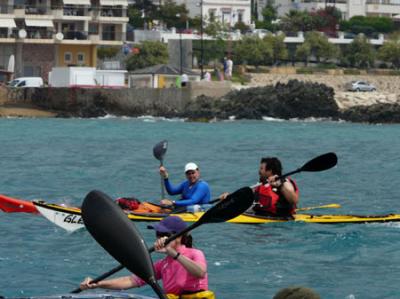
(180, 47)
(201, 41)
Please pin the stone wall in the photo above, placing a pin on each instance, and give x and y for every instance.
(124, 101)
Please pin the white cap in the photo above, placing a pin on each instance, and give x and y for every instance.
(191, 166)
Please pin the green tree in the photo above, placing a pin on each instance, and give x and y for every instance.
(141, 12)
(303, 53)
(252, 51)
(296, 20)
(390, 52)
(278, 46)
(215, 28)
(269, 14)
(368, 25)
(107, 52)
(172, 15)
(320, 47)
(150, 53)
(360, 53)
(241, 26)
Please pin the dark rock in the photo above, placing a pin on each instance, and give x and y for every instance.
(378, 113)
(295, 99)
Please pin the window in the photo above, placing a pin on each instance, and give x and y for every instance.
(240, 16)
(67, 57)
(80, 58)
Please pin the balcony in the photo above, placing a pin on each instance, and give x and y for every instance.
(75, 35)
(39, 34)
(112, 36)
(35, 10)
(6, 33)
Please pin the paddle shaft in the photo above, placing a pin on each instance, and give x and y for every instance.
(101, 277)
(162, 181)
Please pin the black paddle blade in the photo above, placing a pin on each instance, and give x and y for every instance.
(160, 149)
(110, 227)
(320, 163)
(235, 204)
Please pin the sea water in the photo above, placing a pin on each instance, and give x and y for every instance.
(61, 160)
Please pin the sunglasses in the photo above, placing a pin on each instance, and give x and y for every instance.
(161, 235)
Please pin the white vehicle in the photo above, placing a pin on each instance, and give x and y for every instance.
(26, 82)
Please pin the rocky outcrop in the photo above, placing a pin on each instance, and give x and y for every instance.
(294, 99)
(377, 113)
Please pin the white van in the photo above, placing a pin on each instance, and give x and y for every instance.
(26, 82)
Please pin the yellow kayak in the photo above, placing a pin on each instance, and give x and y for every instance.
(69, 218)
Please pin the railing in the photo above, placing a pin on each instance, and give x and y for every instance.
(112, 12)
(112, 35)
(69, 11)
(5, 33)
(35, 10)
(75, 35)
(39, 34)
(383, 2)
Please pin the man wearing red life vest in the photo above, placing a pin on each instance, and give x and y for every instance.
(274, 197)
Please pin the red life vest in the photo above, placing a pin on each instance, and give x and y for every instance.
(270, 201)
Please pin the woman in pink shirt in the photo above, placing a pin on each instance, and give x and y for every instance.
(182, 271)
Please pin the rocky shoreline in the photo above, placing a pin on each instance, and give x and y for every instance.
(272, 95)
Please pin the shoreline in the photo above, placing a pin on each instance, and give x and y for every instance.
(388, 93)
(24, 111)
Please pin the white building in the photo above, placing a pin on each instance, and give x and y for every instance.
(228, 12)
(349, 8)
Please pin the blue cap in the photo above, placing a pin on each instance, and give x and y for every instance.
(170, 224)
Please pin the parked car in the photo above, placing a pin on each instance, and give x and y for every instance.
(360, 86)
(261, 33)
(26, 82)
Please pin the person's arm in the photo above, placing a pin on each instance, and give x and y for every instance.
(288, 191)
(196, 267)
(171, 189)
(201, 191)
(286, 188)
(120, 283)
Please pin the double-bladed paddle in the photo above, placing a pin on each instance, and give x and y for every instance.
(110, 227)
(159, 151)
(320, 163)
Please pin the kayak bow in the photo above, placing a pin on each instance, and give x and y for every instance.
(14, 205)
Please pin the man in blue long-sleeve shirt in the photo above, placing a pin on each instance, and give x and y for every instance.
(193, 189)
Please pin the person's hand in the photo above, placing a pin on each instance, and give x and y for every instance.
(166, 202)
(163, 172)
(223, 196)
(86, 284)
(160, 246)
(274, 181)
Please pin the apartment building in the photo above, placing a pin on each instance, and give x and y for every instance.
(349, 8)
(46, 33)
(228, 12)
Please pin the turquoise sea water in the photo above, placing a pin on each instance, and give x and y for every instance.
(61, 160)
